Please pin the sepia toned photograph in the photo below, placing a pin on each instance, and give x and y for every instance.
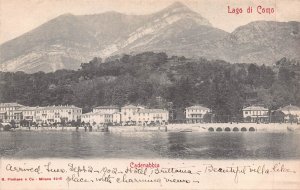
(127, 81)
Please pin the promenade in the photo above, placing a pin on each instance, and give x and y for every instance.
(199, 127)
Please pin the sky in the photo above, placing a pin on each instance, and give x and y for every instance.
(20, 16)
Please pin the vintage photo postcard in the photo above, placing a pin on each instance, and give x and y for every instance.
(149, 94)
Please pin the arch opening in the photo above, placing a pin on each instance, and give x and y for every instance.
(244, 129)
(251, 129)
(219, 129)
(227, 129)
(211, 129)
(235, 129)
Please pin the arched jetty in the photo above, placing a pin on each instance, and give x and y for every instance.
(233, 128)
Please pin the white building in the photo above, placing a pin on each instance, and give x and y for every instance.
(116, 118)
(256, 114)
(58, 114)
(10, 111)
(195, 114)
(98, 118)
(129, 114)
(106, 109)
(291, 110)
(29, 113)
(152, 117)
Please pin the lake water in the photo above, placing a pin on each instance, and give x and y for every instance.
(67, 144)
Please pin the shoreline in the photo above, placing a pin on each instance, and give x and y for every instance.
(199, 127)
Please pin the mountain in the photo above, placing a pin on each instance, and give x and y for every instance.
(265, 42)
(69, 40)
(60, 43)
(175, 30)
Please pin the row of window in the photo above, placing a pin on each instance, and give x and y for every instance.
(256, 112)
(8, 108)
(195, 115)
(145, 114)
(201, 111)
(57, 111)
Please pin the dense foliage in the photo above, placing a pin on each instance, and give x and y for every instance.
(156, 80)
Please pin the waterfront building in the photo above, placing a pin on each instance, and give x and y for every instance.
(29, 113)
(10, 111)
(129, 114)
(116, 118)
(96, 118)
(99, 118)
(195, 114)
(58, 114)
(291, 112)
(256, 114)
(106, 109)
(152, 117)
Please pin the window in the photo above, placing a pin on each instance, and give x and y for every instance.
(246, 112)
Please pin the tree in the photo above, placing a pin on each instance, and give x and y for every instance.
(207, 118)
(63, 121)
(13, 123)
(277, 117)
(248, 119)
(73, 123)
(24, 123)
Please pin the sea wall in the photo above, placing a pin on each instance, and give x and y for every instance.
(199, 127)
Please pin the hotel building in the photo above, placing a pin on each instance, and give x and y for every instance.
(10, 111)
(256, 114)
(58, 114)
(129, 114)
(152, 116)
(195, 114)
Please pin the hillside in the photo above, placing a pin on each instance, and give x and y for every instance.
(140, 79)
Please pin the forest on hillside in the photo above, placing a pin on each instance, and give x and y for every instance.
(158, 81)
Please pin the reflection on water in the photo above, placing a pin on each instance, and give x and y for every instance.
(57, 144)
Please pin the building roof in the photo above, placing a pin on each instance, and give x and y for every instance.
(132, 106)
(27, 108)
(89, 113)
(198, 107)
(107, 107)
(152, 111)
(13, 104)
(95, 113)
(290, 108)
(58, 107)
(259, 108)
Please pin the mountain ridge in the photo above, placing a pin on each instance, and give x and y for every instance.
(68, 40)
